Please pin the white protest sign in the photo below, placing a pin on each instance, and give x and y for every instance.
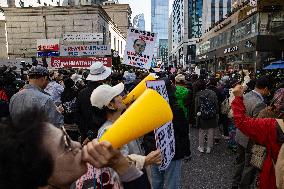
(139, 48)
(89, 37)
(165, 139)
(85, 50)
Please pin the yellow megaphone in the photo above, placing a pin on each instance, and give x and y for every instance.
(148, 112)
(138, 90)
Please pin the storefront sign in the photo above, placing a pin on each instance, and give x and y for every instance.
(246, 12)
(85, 50)
(223, 25)
(79, 62)
(232, 49)
(89, 37)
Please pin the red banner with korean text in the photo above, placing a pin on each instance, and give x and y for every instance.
(79, 62)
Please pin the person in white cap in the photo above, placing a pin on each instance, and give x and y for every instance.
(98, 74)
(108, 104)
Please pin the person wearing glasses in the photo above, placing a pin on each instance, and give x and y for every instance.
(139, 46)
(35, 154)
(33, 95)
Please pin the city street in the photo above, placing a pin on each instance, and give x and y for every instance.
(210, 171)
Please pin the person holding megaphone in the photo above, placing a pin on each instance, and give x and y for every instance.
(108, 105)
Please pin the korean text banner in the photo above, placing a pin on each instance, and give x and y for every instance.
(85, 50)
(79, 62)
(139, 48)
(47, 44)
(90, 37)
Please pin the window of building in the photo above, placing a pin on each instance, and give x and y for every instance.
(213, 12)
(121, 47)
(38, 1)
(118, 46)
(114, 43)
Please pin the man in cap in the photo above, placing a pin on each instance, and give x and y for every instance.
(33, 95)
(98, 73)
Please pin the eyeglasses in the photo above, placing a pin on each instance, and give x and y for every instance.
(67, 140)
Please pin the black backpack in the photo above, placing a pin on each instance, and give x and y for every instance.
(207, 108)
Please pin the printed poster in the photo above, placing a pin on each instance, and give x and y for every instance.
(88, 37)
(85, 50)
(139, 48)
(165, 139)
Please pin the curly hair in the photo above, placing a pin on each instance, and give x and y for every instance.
(24, 162)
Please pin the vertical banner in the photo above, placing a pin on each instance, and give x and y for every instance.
(139, 48)
(165, 139)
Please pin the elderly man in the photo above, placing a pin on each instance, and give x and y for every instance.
(33, 95)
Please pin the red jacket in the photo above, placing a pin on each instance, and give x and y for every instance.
(263, 131)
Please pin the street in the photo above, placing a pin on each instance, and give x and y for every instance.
(210, 171)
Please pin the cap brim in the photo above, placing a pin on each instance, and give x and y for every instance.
(118, 89)
(99, 77)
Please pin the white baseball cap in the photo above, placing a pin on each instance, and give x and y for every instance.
(98, 72)
(103, 94)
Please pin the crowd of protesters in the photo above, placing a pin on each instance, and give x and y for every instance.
(48, 115)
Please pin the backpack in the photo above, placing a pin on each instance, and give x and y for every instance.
(207, 108)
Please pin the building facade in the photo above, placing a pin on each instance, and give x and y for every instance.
(29, 3)
(250, 38)
(159, 24)
(120, 15)
(213, 11)
(139, 22)
(82, 2)
(186, 29)
(24, 28)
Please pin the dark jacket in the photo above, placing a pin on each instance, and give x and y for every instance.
(181, 132)
(69, 103)
(206, 124)
(85, 110)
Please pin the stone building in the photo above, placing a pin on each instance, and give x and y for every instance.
(120, 15)
(3, 44)
(26, 25)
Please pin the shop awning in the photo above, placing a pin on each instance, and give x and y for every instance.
(275, 65)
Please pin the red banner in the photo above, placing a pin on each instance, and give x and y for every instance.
(79, 62)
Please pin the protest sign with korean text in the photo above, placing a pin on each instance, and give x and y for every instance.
(165, 139)
(85, 50)
(79, 62)
(88, 37)
(47, 47)
(139, 48)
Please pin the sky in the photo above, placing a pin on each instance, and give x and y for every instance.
(142, 6)
(137, 7)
